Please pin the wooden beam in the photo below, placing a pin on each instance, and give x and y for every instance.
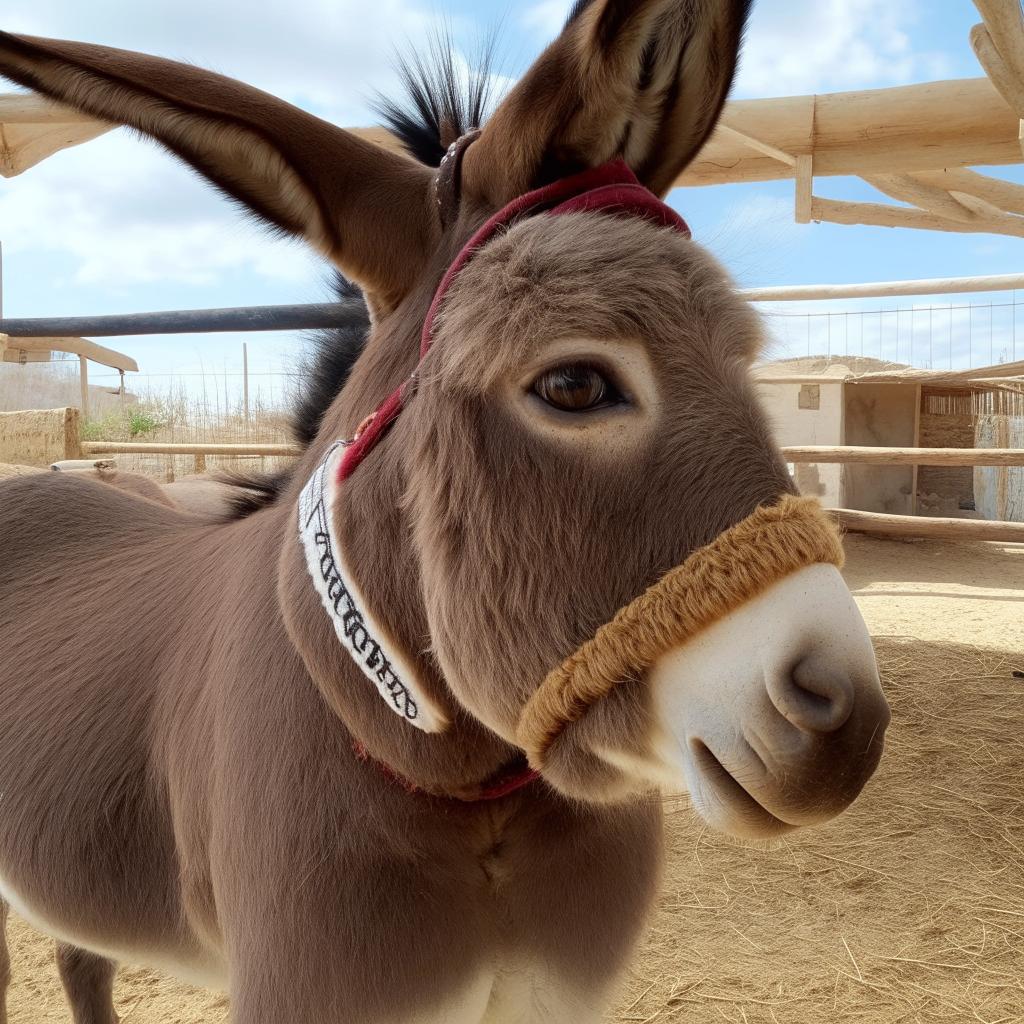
(878, 289)
(33, 128)
(837, 211)
(871, 456)
(1005, 27)
(981, 208)
(804, 188)
(1010, 87)
(908, 189)
(756, 144)
(155, 448)
(916, 470)
(81, 347)
(855, 521)
(31, 108)
(1007, 195)
(951, 124)
(83, 380)
(14, 354)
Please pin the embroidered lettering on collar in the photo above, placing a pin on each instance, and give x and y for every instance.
(360, 634)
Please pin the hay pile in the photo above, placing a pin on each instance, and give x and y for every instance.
(37, 437)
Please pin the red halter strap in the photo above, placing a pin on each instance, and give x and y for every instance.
(612, 189)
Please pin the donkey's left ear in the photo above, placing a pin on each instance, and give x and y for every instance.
(644, 80)
(368, 210)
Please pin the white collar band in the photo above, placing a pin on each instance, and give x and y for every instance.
(364, 638)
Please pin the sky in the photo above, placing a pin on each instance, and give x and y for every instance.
(118, 226)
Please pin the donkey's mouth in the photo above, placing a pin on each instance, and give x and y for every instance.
(723, 801)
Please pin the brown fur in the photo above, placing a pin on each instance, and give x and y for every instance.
(188, 793)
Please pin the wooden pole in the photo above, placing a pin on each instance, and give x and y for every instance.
(1005, 27)
(1007, 195)
(870, 456)
(958, 123)
(908, 188)
(83, 379)
(856, 521)
(245, 380)
(950, 124)
(72, 433)
(155, 448)
(843, 454)
(916, 472)
(840, 211)
(880, 289)
(991, 59)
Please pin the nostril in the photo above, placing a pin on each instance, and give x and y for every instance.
(813, 695)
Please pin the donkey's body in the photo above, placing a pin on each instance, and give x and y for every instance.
(220, 784)
(176, 753)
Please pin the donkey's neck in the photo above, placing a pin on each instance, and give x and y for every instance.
(378, 554)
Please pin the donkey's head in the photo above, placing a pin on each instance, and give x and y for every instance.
(582, 421)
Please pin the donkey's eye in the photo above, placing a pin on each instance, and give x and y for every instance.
(576, 387)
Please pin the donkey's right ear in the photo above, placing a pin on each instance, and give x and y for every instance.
(644, 80)
(368, 210)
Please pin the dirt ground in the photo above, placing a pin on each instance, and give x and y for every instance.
(908, 908)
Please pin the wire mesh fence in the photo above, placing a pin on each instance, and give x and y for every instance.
(930, 335)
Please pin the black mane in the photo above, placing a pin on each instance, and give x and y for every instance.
(442, 100)
(441, 103)
(328, 361)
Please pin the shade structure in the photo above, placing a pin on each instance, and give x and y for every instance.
(33, 128)
(915, 144)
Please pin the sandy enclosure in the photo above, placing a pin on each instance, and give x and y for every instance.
(910, 907)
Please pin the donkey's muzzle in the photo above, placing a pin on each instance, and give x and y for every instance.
(738, 565)
(763, 693)
(774, 717)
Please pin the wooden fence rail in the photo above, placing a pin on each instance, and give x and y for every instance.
(853, 520)
(932, 527)
(847, 454)
(159, 448)
(871, 456)
(339, 314)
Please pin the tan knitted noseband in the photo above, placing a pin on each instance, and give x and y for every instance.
(744, 561)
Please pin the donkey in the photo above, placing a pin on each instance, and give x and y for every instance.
(296, 772)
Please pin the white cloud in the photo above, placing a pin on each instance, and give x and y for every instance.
(797, 46)
(124, 211)
(120, 211)
(326, 54)
(802, 46)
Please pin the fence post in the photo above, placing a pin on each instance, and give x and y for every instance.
(83, 380)
(200, 466)
(72, 433)
(245, 384)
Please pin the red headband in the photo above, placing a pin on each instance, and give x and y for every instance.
(612, 188)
